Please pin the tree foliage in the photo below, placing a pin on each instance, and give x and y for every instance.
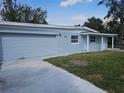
(116, 9)
(95, 23)
(116, 13)
(113, 27)
(11, 11)
(102, 26)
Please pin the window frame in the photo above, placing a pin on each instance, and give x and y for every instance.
(74, 39)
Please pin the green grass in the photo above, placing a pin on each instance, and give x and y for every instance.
(104, 69)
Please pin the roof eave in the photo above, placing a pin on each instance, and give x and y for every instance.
(99, 34)
(4, 23)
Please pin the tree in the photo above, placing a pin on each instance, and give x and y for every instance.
(95, 23)
(116, 13)
(38, 14)
(113, 27)
(11, 11)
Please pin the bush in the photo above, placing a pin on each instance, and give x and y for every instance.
(120, 46)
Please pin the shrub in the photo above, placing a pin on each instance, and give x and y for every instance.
(120, 46)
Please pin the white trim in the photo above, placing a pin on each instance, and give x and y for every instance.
(30, 32)
(88, 43)
(112, 42)
(5, 23)
(77, 39)
(75, 43)
(101, 42)
(87, 28)
(100, 34)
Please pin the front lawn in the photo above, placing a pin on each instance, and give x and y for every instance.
(104, 69)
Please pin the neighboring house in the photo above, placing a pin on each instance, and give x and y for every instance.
(23, 40)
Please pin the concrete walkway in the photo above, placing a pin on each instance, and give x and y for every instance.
(34, 76)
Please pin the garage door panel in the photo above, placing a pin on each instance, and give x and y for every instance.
(18, 46)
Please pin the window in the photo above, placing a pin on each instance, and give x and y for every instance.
(74, 39)
(92, 39)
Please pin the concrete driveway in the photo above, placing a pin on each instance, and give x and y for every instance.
(35, 76)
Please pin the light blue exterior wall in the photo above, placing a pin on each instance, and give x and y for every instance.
(105, 42)
(66, 47)
(45, 42)
(95, 46)
(1, 48)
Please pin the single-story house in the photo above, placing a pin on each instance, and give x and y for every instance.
(25, 40)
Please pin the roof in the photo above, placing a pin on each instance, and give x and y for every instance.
(40, 26)
(100, 34)
(5, 23)
(89, 29)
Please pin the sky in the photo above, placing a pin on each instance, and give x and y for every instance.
(68, 12)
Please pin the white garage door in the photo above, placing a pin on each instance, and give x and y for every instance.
(19, 46)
